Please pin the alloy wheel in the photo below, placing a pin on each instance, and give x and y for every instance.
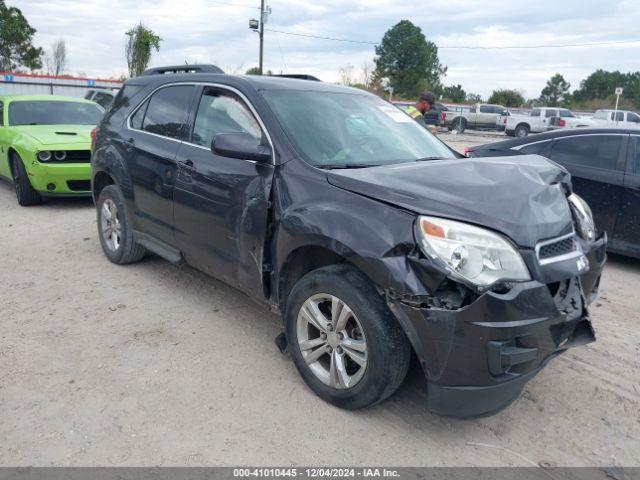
(332, 341)
(110, 225)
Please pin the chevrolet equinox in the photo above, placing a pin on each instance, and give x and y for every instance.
(372, 238)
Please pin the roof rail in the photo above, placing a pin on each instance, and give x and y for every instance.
(299, 76)
(183, 69)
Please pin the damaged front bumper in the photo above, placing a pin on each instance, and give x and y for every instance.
(477, 358)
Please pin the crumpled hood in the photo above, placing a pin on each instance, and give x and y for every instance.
(57, 134)
(519, 196)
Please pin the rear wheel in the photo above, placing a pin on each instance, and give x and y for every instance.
(114, 230)
(343, 339)
(25, 193)
(522, 131)
(459, 125)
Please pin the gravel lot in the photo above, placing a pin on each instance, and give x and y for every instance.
(153, 364)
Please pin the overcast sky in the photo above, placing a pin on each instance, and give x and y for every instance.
(207, 31)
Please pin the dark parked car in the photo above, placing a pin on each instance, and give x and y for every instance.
(369, 235)
(605, 167)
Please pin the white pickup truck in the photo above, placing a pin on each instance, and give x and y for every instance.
(602, 118)
(538, 120)
(613, 118)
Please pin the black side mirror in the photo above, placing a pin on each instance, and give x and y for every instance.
(240, 145)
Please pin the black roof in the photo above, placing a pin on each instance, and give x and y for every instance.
(559, 133)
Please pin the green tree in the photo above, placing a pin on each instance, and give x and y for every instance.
(473, 98)
(556, 92)
(507, 98)
(601, 84)
(454, 93)
(408, 60)
(16, 49)
(253, 71)
(140, 43)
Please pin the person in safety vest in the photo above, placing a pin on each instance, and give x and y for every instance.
(423, 105)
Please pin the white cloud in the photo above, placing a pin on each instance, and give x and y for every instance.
(207, 31)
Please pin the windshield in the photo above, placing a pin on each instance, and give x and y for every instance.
(48, 112)
(337, 130)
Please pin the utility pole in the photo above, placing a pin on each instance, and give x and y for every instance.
(262, 19)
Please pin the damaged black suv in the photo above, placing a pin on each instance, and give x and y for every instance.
(371, 237)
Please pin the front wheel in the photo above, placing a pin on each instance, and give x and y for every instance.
(344, 341)
(25, 193)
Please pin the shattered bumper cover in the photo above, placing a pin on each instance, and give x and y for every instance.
(478, 358)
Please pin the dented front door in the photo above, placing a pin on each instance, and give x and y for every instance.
(220, 203)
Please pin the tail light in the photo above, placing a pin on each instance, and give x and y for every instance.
(94, 135)
(444, 116)
(562, 123)
(467, 151)
(505, 120)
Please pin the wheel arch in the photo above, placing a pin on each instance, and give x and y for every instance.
(306, 258)
(100, 180)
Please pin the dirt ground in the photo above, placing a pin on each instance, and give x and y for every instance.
(152, 364)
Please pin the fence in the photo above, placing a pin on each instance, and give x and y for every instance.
(31, 84)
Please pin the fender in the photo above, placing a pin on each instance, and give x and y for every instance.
(382, 250)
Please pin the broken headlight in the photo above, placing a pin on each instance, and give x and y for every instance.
(583, 217)
(470, 253)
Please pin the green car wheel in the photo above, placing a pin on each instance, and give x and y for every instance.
(25, 193)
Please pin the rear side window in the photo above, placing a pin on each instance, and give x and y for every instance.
(550, 113)
(619, 116)
(599, 151)
(486, 109)
(632, 117)
(535, 112)
(138, 116)
(219, 112)
(166, 112)
(539, 148)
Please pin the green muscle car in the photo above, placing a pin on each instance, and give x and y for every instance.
(45, 145)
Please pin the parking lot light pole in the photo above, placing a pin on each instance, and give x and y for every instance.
(262, 19)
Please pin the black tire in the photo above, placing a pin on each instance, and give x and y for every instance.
(388, 350)
(521, 131)
(459, 125)
(27, 196)
(127, 250)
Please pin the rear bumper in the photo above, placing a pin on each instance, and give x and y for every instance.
(72, 179)
(478, 358)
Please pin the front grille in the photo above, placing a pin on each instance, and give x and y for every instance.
(556, 249)
(74, 156)
(79, 185)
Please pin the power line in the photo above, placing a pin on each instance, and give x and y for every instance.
(586, 44)
(320, 37)
(229, 4)
(461, 47)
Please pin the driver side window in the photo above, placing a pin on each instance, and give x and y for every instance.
(222, 112)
